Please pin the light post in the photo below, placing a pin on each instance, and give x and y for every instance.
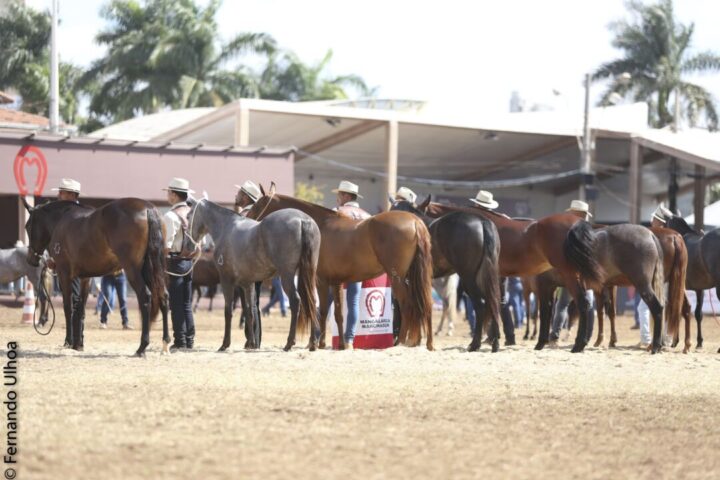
(587, 176)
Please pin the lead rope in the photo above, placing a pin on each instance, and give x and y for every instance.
(49, 300)
(259, 217)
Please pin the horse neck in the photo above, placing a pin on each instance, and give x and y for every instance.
(214, 218)
(317, 212)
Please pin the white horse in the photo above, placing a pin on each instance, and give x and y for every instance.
(14, 266)
(446, 287)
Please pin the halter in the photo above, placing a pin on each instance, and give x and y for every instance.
(266, 206)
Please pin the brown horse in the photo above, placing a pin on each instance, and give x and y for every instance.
(205, 274)
(675, 260)
(531, 247)
(83, 242)
(397, 243)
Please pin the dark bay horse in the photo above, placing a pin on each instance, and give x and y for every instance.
(531, 247)
(397, 243)
(205, 274)
(469, 246)
(703, 270)
(622, 254)
(284, 243)
(83, 242)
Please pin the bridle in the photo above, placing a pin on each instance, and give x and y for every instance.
(267, 205)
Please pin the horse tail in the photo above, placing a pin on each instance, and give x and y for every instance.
(658, 278)
(676, 286)
(307, 271)
(153, 269)
(420, 284)
(488, 275)
(579, 249)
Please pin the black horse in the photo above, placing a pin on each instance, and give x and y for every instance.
(703, 270)
(83, 242)
(469, 246)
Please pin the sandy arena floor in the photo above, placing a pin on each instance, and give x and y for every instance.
(398, 413)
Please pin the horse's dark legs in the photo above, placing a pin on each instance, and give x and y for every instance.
(338, 310)
(579, 293)
(251, 318)
(545, 305)
(479, 307)
(699, 317)
(164, 307)
(144, 297)
(196, 289)
(66, 288)
(526, 298)
(657, 311)
(229, 295)
(323, 290)
(80, 289)
(288, 286)
(505, 315)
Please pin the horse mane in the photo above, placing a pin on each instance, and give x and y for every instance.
(220, 209)
(307, 204)
(52, 205)
(681, 226)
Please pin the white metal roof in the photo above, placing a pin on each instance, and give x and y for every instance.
(712, 215)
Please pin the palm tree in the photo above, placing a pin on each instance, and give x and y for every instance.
(167, 53)
(286, 77)
(657, 54)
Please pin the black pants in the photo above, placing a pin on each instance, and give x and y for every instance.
(78, 311)
(180, 290)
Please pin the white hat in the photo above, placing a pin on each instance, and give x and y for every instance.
(406, 194)
(485, 199)
(19, 244)
(579, 206)
(661, 213)
(251, 190)
(68, 184)
(348, 187)
(179, 185)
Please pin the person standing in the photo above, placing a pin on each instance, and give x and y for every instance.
(114, 282)
(179, 268)
(515, 295)
(347, 205)
(484, 201)
(560, 314)
(276, 296)
(405, 194)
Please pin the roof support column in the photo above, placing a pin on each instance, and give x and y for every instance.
(242, 126)
(699, 197)
(635, 181)
(23, 217)
(392, 131)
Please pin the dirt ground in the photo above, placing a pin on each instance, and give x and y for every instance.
(397, 413)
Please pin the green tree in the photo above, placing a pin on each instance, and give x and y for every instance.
(167, 53)
(286, 77)
(657, 53)
(309, 193)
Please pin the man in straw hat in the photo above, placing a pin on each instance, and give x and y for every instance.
(347, 205)
(407, 195)
(180, 285)
(68, 190)
(560, 316)
(248, 193)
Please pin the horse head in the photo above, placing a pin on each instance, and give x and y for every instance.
(38, 232)
(263, 204)
(679, 224)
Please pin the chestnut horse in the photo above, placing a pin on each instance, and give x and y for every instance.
(531, 247)
(83, 242)
(397, 243)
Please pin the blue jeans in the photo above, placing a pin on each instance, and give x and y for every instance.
(469, 312)
(277, 296)
(516, 300)
(353, 309)
(109, 285)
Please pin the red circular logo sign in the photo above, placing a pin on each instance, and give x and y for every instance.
(375, 303)
(31, 156)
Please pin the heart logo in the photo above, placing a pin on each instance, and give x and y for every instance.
(375, 303)
(30, 155)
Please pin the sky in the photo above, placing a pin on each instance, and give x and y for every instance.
(471, 54)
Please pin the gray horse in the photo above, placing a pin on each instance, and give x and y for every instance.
(703, 270)
(284, 243)
(14, 265)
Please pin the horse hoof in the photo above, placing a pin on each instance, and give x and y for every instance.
(578, 348)
(223, 348)
(139, 354)
(526, 337)
(288, 347)
(509, 343)
(78, 348)
(312, 347)
(540, 346)
(473, 347)
(321, 345)
(656, 349)
(495, 346)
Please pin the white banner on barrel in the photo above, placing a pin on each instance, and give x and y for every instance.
(375, 323)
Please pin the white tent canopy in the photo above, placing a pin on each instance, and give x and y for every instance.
(712, 215)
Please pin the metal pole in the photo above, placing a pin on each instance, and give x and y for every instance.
(585, 156)
(54, 80)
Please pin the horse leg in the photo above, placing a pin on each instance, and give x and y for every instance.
(251, 318)
(323, 290)
(578, 292)
(66, 288)
(686, 315)
(699, 317)
(144, 297)
(656, 310)
(164, 302)
(338, 310)
(229, 294)
(479, 307)
(77, 313)
(505, 315)
(288, 285)
(196, 289)
(545, 305)
(600, 304)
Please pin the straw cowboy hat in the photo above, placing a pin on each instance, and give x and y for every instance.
(250, 189)
(661, 213)
(179, 185)
(348, 187)
(485, 199)
(19, 244)
(69, 185)
(406, 194)
(579, 206)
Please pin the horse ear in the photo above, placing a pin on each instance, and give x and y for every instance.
(272, 188)
(425, 204)
(262, 190)
(27, 205)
